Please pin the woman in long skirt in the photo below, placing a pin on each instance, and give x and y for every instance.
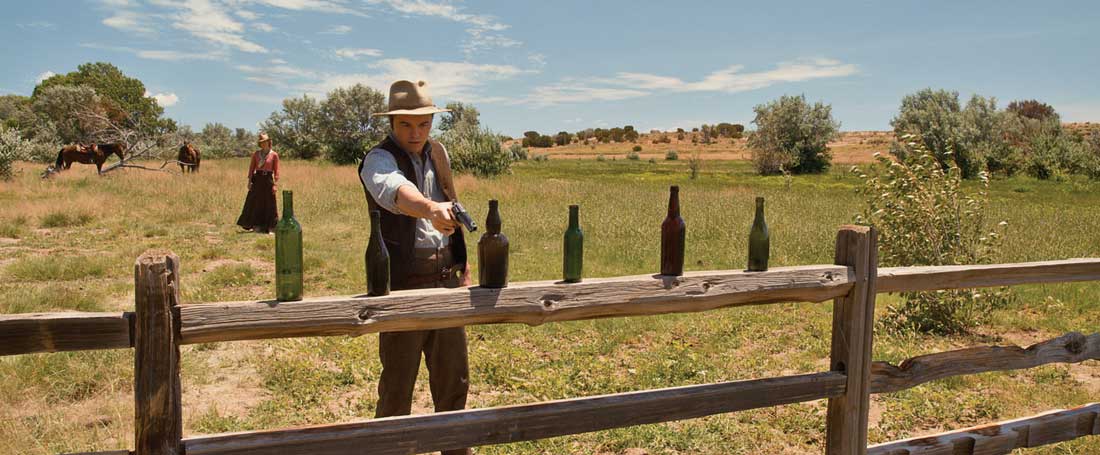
(260, 212)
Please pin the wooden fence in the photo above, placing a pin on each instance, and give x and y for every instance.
(159, 325)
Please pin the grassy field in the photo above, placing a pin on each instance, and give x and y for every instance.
(70, 243)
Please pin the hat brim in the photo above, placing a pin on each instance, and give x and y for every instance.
(418, 111)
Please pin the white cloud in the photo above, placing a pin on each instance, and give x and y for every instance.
(549, 95)
(729, 80)
(479, 25)
(129, 21)
(278, 61)
(246, 15)
(537, 59)
(178, 55)
(209, 21)
(45, 75)
(155, 54)
(356, 53)
(324, 6)
(336, 30)
(263, 27)
(163, 99)
(457, 81)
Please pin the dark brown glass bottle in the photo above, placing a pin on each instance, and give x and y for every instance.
(492, 252)
(377, 259)
(673, 237)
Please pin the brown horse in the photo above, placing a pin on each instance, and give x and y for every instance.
(189, 157)
(86, 154)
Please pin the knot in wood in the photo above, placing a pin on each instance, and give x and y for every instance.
(365, 314)
(548, 300)
(1076, 343)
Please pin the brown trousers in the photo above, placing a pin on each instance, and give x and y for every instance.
(444, 351)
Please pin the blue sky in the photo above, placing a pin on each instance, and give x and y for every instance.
(568, 65)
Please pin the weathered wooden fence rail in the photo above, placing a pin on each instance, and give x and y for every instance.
(160, 325)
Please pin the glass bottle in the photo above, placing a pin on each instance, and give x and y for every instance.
(377, 259)
(492, 252)
(673, 237)
(758, 240)
(573, 257)
(288, 253)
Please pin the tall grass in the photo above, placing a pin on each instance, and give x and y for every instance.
(51, 403)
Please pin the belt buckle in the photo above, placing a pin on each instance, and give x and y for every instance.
(444, 273)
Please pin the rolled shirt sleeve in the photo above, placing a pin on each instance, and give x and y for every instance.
(382, 179)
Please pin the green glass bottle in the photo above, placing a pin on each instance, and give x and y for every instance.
(573, 260)
(288, 253)
(492, 252)
(377, 258)
(758, 240)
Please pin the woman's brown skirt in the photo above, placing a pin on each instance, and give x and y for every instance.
(260, 212)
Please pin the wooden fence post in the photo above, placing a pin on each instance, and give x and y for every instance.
(158, 414)
(853, 330)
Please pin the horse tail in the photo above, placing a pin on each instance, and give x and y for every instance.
(60, 159)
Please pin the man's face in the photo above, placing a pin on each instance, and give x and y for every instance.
(411, 131)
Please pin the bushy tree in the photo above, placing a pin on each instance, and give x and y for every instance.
(730, 130)
(925, 216)
(461, 115)
(793, 135)
(345, 124)
(563, 138)
(63, 108)
(12, 146)
(16, 112)
(216, 141)
(123, 97)
(934, 116)
(1033, 109)
(244, 142)
(616, 134)
(296, 129)
(477, 151)
(629, 134)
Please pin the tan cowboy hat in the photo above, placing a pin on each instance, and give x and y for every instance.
(263, 138)
(408, 98)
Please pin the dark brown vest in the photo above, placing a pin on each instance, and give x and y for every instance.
(399, 231)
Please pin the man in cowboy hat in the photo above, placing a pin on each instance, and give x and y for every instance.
(407, 178)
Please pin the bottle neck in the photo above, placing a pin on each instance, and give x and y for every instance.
(492, 221)
(375, 223)
(574, 217)
(288, 204)
(759, 207)
(674, 202)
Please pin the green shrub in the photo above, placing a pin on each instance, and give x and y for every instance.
(12, 148)
(792, 134)
(64, 219)
(633, 156)
(695, 165)
(601, 158)
(637, 148)
(519, 153)
(925, 217)
(476, 151)
(653, 161)
(671, 155)
(540, 158)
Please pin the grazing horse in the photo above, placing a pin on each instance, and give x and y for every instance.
(189, 157)
(86, 154)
